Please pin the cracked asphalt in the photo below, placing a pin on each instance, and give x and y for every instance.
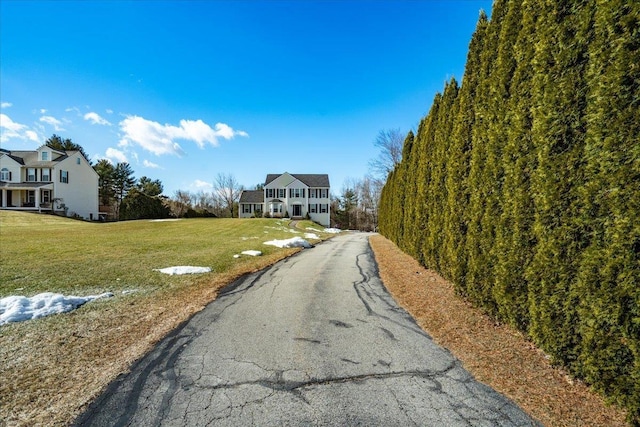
(313, 340)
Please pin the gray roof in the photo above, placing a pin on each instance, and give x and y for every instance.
(30, 158)
(311, 180)
(252, 196)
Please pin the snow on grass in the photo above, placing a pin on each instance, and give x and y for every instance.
(311, 236)
(183, 269)
(332, 230)
(20, 308)
(251, 253)
(314, 229)
(294, 242)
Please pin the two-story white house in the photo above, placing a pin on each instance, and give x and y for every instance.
(294, 194)
(62, 182)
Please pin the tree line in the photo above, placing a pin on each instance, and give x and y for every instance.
(522, 185)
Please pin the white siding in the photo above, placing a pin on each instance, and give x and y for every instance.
(80, 194)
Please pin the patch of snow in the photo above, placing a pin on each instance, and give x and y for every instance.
(251, 253)
(20, 308)
(332, 230)
(129, 291)
(313, 229)
(311, 236)
(165, 220)
(236, 256)
(294, 242)
(183, 269)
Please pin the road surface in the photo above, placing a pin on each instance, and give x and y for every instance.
(313, 340)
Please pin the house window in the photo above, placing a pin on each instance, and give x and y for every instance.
(324, 193)
(78, 161)
(45, 174)
(5, 175)
(45, 155)
(281, 193)
(324, 208)
(31, 174)
(246, 208)
(257, 208)
(270, 193)
(64, 177)
(313, 208)
(31, 197)
(296, 192)
(46, 196)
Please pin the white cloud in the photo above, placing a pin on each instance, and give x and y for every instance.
(161, 139)
(10, 129)
(6, 105)
(95, 119)
(43, 110)
(31, 135)
(148, 164)
(202, 185)
(109, 111)
(50, 120)
(115, 155)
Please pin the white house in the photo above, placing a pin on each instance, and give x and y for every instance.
(294, 194)
(62, 182)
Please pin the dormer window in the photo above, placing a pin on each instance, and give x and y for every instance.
(45, 156)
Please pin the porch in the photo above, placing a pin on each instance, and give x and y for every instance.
(29, 197)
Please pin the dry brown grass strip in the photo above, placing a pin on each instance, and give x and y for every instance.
(48, 375)
(495, 354)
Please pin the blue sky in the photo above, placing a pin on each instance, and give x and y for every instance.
(186, 90)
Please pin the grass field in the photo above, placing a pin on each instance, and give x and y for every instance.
(52, 367)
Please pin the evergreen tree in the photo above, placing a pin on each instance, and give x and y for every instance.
(105, 171)
(123, 181)
(609, 271)
(58, 143)
(514, 238)
(138, 205)
(458, 193)
(149, 187)
(559, 89)
(436, 190)
(482, 173)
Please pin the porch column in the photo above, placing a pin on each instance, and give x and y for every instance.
(4, 198)
(37, 192)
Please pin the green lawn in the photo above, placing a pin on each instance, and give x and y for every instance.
(44, 253)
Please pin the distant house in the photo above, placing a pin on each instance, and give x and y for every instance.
(58, 181)
(294, 194)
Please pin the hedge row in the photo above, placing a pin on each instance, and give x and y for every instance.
(522, 185)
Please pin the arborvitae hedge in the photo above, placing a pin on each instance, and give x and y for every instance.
(522, 186)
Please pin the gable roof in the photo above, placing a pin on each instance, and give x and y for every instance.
(30, 158)
(311, 180)
(252, 196)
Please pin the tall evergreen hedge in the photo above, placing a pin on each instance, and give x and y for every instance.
(522, 185)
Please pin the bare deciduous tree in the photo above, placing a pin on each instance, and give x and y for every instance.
(390, 143)
(227, 190)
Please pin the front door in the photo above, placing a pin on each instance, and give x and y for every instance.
(297, 210)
